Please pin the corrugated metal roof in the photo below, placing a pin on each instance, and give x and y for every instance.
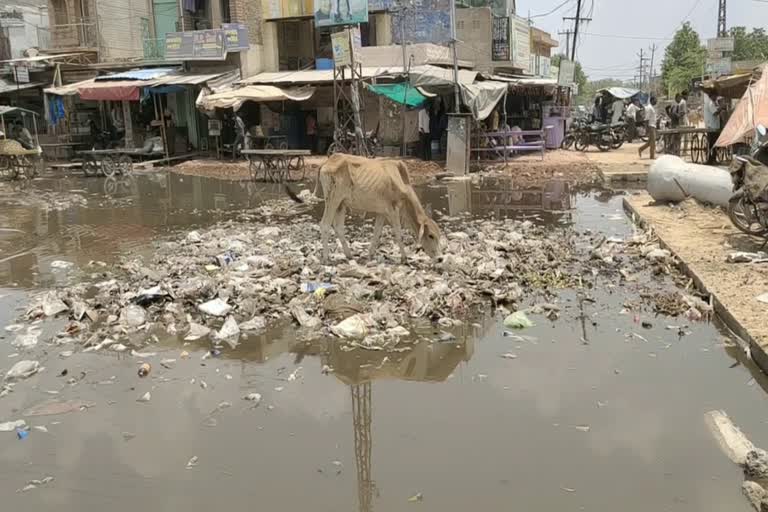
(196, 79)
(314, 76)
(225, 81)
(138, 74)
(69, 89)
(4, 110)
(38, 58)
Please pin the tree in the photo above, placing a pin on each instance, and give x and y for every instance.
(684, 60)
(749, 45)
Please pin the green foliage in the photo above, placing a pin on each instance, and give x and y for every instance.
(749, 45)
(684, 60)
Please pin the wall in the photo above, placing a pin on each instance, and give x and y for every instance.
(23, 33)
(473, 30)
(250, 13)
(120, 29)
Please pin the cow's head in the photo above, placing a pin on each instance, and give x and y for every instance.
(430, 236)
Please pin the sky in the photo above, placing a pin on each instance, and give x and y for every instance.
(610, 44)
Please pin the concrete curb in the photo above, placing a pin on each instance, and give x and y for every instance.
(758, 354)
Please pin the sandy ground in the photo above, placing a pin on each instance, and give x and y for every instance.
(702, 237)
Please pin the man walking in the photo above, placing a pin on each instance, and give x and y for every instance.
(424, 136)
(630, 117)
(711, 123)
(650, 119)
(239, 135)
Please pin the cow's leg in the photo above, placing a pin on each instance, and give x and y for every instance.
(332, 205)
(338, 226)
(376, 236)
(394, 221)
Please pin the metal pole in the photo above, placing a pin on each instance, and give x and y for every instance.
(406, 71)
(576, 30)
(181, 15)
(457, 99)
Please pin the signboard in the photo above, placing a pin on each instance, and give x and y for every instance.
(357, 42)
(342, 53)
(500, 39)
(195, 45)
(340, 12)
(214, 127)
(719, 67)
(567, 71)
(521, 43)
(22, 74)
(720, 44)
(235, 37)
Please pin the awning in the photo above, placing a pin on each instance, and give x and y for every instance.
(397, 92)
(40, 58)
(751, 111)
(482, 97)
(145, 74)
(177, 81)
(732, 86)
(123, 90)
(317, 76)
(621, 93)
(69, 89)
(5, 110)
(431, 76)
(235, 98)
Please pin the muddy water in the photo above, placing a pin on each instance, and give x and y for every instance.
(587, 417)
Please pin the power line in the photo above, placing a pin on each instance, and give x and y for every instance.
(618, 36)
(554, 10)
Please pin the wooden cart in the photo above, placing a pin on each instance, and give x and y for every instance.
(275, 165)
(692, 142)
(15, 161)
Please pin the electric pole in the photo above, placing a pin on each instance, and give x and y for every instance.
(643, 60)
(576, 20)
(457, 99)
(721, 30)
(567, 34)
(650, 71)
(403, 6)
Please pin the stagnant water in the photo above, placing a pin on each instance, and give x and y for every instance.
(587, 417)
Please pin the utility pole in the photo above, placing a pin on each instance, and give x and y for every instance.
(457, 99)
(650, 71)
(406, 71)
(721, 30)
(643, 60)
(576, 20)
(567, 34)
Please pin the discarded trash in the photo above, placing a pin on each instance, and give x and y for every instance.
(756, 464)
(508, 355)
(658, 254)
(517, 320)
(229, 332)
(144, 369)
(53, 407)
(226, 258)
(256, 323)
(647, 325)
(747, 257)
(27, 340)
(732, 441)
(196, 331)
(10, 426)
(52, 305)
(41, 428)
(133, 316)
(59, 264)
(253, 397)
(304, 319)
(582, 428)
(215, 307)
(22, 434)
(147, 296)
(22, 370)
(269, 232)
(416, 497)
(192, 462)
(146, 397)
(313, 287)
(193, 237)
(352, 327)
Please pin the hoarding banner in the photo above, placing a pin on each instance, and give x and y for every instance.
(500, 42)
(340, 12)
(566, 74)
(521, 37)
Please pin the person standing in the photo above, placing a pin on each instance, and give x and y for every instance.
(682, 109)
(424, 138)
(618, 110)
(630, 117)
(650, 120)
(711, 123)
(311, 122)
(239, 134)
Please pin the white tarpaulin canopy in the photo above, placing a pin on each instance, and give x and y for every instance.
(426, 76)
(482, 97)
(621, 93)
(235, 98)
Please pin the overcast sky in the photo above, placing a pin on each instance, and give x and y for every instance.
(638, 24)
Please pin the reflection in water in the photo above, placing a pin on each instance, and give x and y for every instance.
(361, 421)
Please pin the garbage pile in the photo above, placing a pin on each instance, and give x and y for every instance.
(239, 278)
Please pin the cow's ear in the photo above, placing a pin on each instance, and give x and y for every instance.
(428, 210)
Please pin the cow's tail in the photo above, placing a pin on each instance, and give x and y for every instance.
(292, 194)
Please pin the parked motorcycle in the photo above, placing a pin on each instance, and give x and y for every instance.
(619, 131)
(599, 135)
(748, 206)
